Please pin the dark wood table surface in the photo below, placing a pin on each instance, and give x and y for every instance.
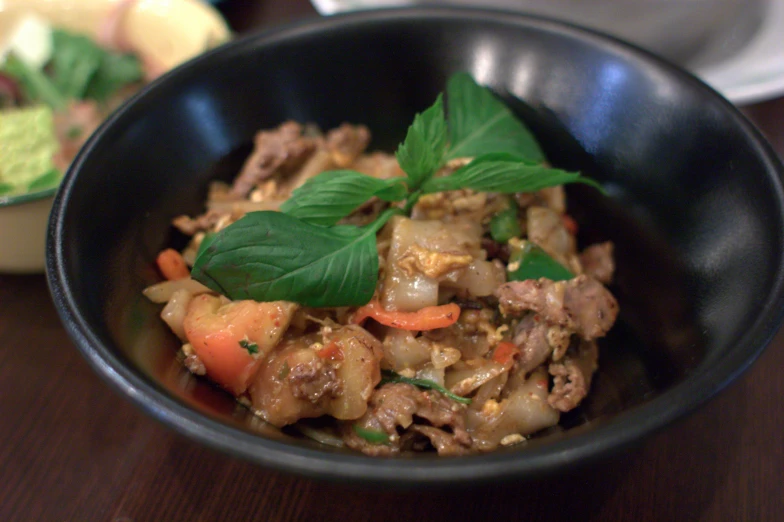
(73, 449)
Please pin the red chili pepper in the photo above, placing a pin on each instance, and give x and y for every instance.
(570, 224)
(428, 318)
(505, 352)
(331, 351)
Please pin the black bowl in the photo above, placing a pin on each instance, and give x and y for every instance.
(695, 209)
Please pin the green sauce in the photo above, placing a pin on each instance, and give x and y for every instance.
(28, 145)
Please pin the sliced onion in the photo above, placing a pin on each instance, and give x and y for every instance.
(174, 312)
(9, 90)
(430, 373)
(463, 382)
(229, 207)
(163, 291)
(523, 412)
(321, 436)
(443, 356)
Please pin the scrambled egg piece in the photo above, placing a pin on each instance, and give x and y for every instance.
(431, 263)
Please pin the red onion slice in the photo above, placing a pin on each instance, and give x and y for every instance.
(9, 90)
(109, 34)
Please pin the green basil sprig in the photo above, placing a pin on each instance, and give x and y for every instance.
(300, 254)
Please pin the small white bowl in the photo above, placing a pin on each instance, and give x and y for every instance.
(167, 31)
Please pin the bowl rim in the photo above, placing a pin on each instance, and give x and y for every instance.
(611, 435)
(27, 197)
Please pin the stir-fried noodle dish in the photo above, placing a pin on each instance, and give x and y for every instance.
(433, 299)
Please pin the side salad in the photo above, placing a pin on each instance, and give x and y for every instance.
(56, 86)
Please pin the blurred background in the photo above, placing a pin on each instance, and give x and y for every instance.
(74, 450)
(734, 45)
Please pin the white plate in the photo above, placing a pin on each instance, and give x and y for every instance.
(753, 73)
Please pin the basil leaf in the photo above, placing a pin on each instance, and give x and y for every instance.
(500, 172)
(251, 347)
(422, 152)
(271, 256)
(330, 196)
(206, 241)
(480, 123)
(531, 262)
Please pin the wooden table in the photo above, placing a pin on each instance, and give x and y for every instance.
(72, 449)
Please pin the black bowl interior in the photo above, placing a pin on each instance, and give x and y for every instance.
(694, 209)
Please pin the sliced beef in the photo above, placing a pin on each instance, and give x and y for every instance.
(378, 165)
(531, 338)
(400, 406)
(313, 380)
(190, 226)
(396, 404)
(298, 381)
(445, 443)
(598, 262)
(582, 305)
(539, 341)
(572, 377)
(283, 150)
(347, 142)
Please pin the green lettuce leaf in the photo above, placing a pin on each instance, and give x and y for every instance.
(75, 60)
(115, 72)
(36, 86)
(81, 69)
